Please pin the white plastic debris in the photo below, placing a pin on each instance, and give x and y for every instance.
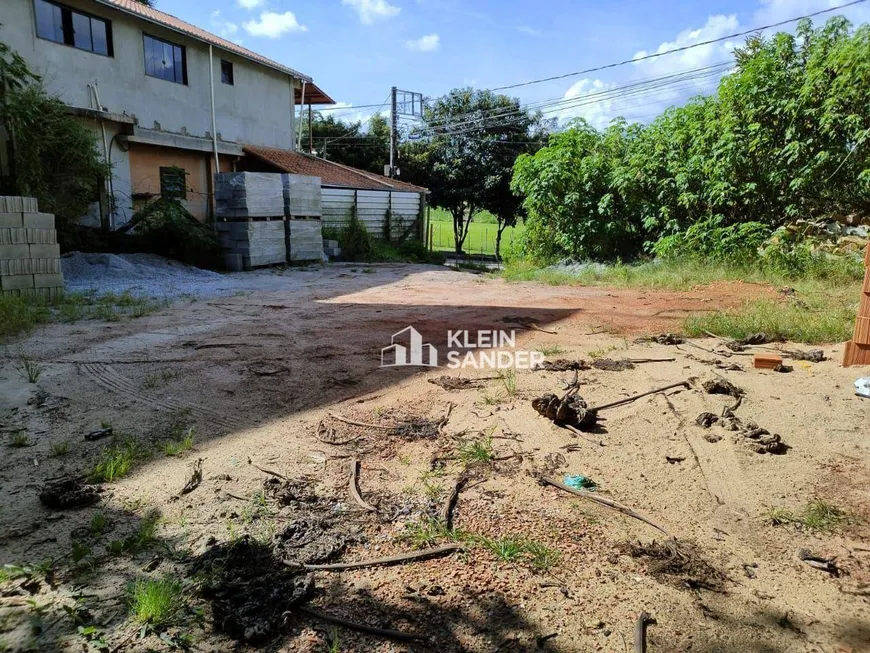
(862, 387)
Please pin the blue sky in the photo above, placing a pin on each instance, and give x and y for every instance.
(357, 49)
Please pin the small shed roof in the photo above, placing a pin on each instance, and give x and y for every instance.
(331, 173)
(313, 95)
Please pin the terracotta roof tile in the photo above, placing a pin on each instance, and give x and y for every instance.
(155, 16)
(331, 173)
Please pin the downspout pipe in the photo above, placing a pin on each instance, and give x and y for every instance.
(299, 123)
(107, 157)
(217, 164)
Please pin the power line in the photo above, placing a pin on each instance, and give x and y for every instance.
(656, 54)
(646, 88)
(680, 49)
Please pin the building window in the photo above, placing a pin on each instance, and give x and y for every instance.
(227, 72)
(71, 27)
(173, 183)
(165, 60)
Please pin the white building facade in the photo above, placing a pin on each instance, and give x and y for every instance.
(162, 95)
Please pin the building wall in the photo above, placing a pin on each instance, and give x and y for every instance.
(257, 110)
(145, 164)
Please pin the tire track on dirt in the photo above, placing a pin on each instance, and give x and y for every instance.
(108, 378)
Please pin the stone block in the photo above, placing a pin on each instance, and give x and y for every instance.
(44, 251)
(29, 266)
(11, 220)
(48, 280)
(41, 236)
(14, 204)
(38, 220)
(13, 237)
(17, 251)
(17, 282)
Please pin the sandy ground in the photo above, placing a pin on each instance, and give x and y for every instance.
(256, 373)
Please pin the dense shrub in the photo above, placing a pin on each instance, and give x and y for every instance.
(784, 138)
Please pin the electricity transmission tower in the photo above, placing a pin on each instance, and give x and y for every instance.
(402, 103)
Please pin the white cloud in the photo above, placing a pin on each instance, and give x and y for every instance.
(531, 31)
(250, 5)
(222, 26)
(273, 25)
(716, 27)
(428, 43)
(599, 101)
(371, 10)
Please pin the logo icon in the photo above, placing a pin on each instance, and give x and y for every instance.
(408, 350)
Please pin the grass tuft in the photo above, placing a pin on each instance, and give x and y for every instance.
(476, 451)
(116, 461)
(542, 557)
(59, 449)
(177, 446)
(505, 549)
(156, 602)
(508, 379)
(141, 539)
(19, 440)
(551, 350)
(29, 369)
(817, 515)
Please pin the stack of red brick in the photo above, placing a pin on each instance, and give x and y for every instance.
(858, 349)
(29, 253)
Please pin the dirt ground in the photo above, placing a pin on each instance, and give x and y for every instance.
(254, 375)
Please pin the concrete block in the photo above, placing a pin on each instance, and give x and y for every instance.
(44, 251)
(13, 237)
(41, 236)
(47, 280)
(17, 251)
(29, 266)
(13, 204)
(11, 220)
(38, 220)
(17, 282)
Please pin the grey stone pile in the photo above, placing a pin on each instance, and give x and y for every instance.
(241, 195)
(302, 196)
(304, 240)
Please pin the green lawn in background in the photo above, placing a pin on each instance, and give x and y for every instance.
(481, 234)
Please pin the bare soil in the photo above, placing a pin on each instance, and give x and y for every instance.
(257, 376)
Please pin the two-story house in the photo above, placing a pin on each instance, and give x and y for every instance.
(163, 96)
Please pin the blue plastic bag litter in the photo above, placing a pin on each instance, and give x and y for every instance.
(579, 482)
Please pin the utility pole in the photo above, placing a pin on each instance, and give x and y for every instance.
(394, 129)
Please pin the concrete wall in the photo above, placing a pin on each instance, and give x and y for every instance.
(371, 209)
(257, 110)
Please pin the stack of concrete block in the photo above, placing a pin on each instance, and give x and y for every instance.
(302, 196)
(29, 253)
(331, 248)
(241, 195)
(304, 240)
(253, 243)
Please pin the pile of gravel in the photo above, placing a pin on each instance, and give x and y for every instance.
(141, 274)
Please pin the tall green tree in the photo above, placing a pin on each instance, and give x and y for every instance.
(464, 153)
(364, 146)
